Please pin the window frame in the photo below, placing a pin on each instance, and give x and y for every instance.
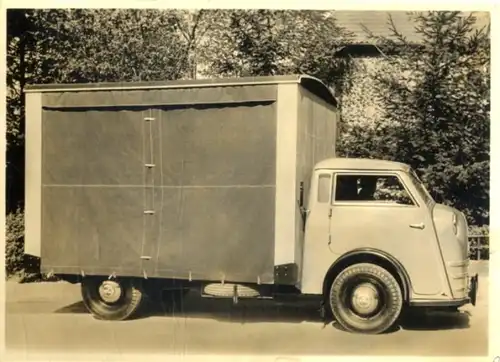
(334, 202)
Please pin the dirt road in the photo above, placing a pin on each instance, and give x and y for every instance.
(50, 317)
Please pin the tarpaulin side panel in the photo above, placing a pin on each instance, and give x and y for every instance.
(84, 228)
(216, 234)
(92, 148)
(211, 190)
(224, 146)
(155, 97)
(217, 195)
(92, 193)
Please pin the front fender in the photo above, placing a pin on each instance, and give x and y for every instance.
(370, 255)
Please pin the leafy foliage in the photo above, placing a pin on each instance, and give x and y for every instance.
(197, 29)
(275, 42)
(89, 45)
(16, 266)
(479, 242)
(82, 45)
(435, 110)
(363, 124)
(14, 243)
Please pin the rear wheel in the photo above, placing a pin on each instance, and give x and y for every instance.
(116, 299)
(365, 298)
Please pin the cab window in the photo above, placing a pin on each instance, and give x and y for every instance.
(324, 182)
(386, 189)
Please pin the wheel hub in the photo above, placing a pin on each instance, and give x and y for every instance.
(365, 298)
(110, 291)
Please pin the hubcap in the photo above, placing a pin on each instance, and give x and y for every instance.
(365, 299)
(110, 291)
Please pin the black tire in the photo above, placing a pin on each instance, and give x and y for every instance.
(382, 306)
(126, 305)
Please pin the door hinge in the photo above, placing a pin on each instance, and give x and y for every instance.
(329, 239)
(330, 212)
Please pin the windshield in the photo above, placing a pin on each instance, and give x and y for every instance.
(421, 188)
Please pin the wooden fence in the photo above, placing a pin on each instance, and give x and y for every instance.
(479, 247)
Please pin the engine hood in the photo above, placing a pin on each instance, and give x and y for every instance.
(451, 230)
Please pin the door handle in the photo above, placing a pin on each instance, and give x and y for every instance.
(418, 226)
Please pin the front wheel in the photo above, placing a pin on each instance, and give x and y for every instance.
(365, 298)
(112, 299)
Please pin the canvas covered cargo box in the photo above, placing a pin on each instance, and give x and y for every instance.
(180, 179)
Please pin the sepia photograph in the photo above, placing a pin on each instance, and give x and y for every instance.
(212, 181)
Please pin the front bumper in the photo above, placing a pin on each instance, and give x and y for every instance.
(473, 288)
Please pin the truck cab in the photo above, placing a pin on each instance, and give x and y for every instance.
(376, 242)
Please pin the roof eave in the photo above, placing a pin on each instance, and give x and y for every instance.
(314, 85)
(368, 49)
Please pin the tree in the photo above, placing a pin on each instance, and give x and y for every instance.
(194, 27)
(276, 42)
(436, 109)
(92, 45)
(81, 45)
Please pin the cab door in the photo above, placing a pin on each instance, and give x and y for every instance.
(393, 220)
(316, 256)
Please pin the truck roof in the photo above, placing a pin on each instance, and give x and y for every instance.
(361, 164)
(312, 84)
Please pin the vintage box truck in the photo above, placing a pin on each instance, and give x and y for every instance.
(231, 187)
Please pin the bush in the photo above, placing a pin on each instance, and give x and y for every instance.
(475, 230)
(14, 243)
(479, 238)
(15, 266)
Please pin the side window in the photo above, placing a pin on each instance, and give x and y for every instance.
(371, 188)
(324, 182)
(389, 189)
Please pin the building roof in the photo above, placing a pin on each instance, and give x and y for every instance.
(359, 23)
(377, 22)
(361, 164)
